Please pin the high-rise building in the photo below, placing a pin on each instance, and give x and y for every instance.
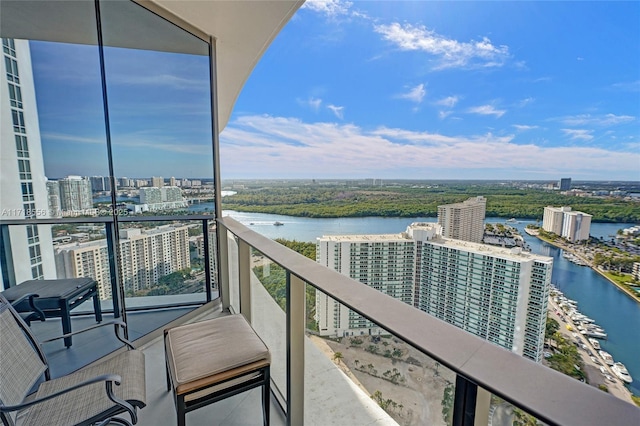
(572, 225)
(576, 226)
(463, 221)
(565, 184)
(53, 192)
(75, 193)
(150, 195)
(384, 262)
(157, 182)
(496, 293)
(171, 193)
(145, 256)
(100, 183)
(23, 190)
(173, 181)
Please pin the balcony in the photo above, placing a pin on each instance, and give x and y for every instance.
(410, 368)
(309, 387)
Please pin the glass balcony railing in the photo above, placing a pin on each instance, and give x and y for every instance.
(152, 263)
(392, 363)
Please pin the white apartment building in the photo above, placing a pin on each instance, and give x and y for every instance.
(496, 293)
(572, 225)
(23, 190)
(384, 262)
(463, 221)
(75, 194)
(576, 226)
(145, 256)
(553, 217)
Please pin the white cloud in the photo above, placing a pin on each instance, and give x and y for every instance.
(330, 8)
(524, 127)
(451, 53)
(631, 86)
(601, 120)
(415, 94)
(337, 110)
(313, 103)
(444, 114)
(526, 101)
(449, 101)
(265, 146)
(580, 134)
(487, 110)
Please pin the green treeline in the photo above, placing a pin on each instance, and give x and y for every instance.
(340, 201)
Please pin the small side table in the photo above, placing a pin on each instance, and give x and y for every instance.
(56, 298)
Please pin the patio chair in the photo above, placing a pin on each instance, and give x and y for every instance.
(91, 395)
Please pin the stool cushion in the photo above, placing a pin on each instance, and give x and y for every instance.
(203, 349)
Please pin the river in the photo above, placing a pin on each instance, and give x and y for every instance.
(597, 298)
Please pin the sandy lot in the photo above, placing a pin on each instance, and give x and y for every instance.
(411, 385)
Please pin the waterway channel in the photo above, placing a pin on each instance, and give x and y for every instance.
(597, 298)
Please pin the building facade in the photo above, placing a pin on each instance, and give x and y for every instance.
(145, 256)
(23, 184)
(495, 293)
(463, 221)
(75, 194)
(573, 225)
(576, 226)
(565, 184)
(384, 262)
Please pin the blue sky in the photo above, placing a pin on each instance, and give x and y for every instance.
(417, 90)
(493, 90)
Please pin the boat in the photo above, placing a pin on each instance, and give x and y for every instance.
(512, 220)
(621, 371)
(278, 223)
(606, 357)
(595, 344)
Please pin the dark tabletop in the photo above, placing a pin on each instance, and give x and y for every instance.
(57, 289)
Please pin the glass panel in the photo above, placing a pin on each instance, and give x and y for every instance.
(159, 110)
(501, 412)
(51, 92)
(268, 308)
(384, 377)
(157, 79)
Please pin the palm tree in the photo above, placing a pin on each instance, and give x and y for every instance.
(337, 357)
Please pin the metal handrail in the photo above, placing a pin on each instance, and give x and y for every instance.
(546, 394)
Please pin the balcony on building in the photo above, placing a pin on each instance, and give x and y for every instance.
(460, 378)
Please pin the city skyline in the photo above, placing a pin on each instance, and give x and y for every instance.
(419, 90)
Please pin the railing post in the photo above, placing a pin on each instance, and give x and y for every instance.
(244, 276)
(296, 315)
(464, 403)
(6, 258)
(207, 258)
(222, 235)
(113, 269)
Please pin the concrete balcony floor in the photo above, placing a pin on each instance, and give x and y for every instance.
(243, 409)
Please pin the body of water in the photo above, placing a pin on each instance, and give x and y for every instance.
(597, 298)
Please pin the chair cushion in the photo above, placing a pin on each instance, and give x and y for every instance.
(207, 348)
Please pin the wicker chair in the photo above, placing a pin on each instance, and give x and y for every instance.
(92, 395)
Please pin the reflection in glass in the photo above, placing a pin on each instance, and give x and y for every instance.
(159, 111)
(51, 101)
